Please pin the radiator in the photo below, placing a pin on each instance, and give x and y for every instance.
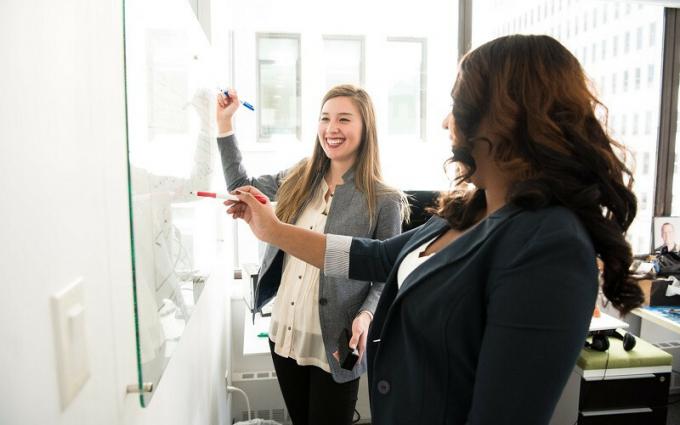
(266, 401)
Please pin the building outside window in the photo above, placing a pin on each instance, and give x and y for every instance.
(627, 102)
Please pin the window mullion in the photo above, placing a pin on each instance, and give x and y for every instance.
(668, 113)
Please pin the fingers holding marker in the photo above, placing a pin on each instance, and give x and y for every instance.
(251, 192)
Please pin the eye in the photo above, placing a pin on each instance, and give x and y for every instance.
(324, 119)
(344, 119)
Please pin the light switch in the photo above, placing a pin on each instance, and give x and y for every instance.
(68, 315)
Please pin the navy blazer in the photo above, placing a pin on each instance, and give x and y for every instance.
(486, 331)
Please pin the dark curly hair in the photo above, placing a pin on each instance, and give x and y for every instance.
(535, 95)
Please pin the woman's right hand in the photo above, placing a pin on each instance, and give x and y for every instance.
(226, 108)
(260, 217)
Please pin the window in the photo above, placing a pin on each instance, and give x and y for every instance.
(615, 46)
(675, 167)
(568, 29)
(605, 10)
(594, 50)
(343, 60)
(623, 98)
(645, 163)
(575, 26)
(406, 83)
(624, 123)
(643, 201)
(278, 75)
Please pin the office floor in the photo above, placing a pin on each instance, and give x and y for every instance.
(673, 417)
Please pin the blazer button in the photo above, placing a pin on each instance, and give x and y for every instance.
(323, 301)
(383, 387)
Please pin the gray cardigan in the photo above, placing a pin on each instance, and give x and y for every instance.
(340, 299)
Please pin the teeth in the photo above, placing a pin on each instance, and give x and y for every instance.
(334, 142)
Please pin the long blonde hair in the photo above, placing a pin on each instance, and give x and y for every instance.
(303, 181)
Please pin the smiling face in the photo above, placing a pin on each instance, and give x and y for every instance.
(340, 128)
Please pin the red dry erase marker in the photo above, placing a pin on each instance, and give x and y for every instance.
(228, 196)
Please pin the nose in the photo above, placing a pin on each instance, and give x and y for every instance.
(332, 127)
(447, 119)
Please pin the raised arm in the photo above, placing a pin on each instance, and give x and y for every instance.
(235, 173)
(538, 314)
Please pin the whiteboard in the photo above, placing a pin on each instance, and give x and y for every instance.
(171, 151)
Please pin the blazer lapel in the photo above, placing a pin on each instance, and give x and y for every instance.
(429, 230)
(458, 249)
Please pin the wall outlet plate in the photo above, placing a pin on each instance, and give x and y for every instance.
(68, 317)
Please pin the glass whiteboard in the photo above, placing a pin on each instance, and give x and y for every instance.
(170, 97)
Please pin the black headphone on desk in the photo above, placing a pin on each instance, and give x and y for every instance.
(600, 340)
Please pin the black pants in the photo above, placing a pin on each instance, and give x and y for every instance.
(312, 396)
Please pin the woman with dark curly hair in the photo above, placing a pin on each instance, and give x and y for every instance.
(486, 306)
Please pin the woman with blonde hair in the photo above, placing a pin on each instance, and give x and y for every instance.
(339, 189)
(486, 306)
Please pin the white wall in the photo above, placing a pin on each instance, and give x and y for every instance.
(65, 215)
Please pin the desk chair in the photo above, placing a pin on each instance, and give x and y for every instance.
(419, 201)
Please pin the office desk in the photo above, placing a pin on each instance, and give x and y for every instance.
(660, 316)
(579, 403)
(252, 342)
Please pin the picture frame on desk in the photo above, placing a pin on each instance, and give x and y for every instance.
(666, 232)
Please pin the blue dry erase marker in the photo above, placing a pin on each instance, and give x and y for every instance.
(246, 104)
